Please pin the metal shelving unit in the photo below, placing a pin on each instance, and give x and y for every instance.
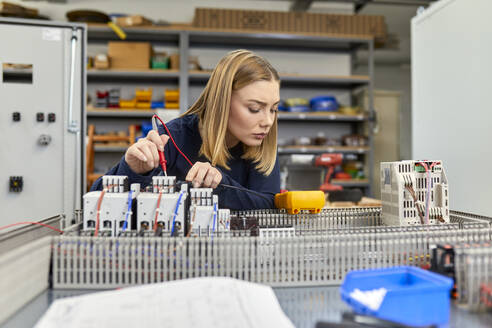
(333, 82)
(94, 74)
(288, 150)
(136, 113)
(185, 38)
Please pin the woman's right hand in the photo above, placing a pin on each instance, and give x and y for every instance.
(143, 155)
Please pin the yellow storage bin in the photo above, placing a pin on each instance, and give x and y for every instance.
(171, 105)
(171, 95)
(144, 95)
(295, 201)
(143, 105)
(132, 103)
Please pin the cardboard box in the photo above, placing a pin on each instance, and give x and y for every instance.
(101, 61)
(291, 22)
(135, 20)
(174, 61)
(130, 55)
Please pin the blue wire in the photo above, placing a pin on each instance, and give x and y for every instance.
(176, 212)
(128, 211)
(215, 216)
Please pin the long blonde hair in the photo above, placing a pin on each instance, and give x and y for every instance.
(234, 71)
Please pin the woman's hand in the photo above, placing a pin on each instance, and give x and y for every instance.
(143, 155)
(202, 174)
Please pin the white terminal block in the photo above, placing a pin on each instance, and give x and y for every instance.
(202, 217)
(201, 196)
(168, 206)
(115, 183)
(224, 220)
(114, 210)
(398, 179)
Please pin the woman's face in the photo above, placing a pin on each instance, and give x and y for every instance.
(253, 112)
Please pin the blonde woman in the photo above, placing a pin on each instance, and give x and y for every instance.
(230, 134)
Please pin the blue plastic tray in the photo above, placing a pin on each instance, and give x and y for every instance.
(414, 296)
(324, 104)
(299, 109)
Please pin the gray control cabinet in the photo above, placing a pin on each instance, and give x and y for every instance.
(42, 119)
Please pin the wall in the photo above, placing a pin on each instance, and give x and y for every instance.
(396, 77)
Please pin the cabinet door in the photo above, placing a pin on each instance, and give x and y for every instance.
(386, 141)
(40, 160)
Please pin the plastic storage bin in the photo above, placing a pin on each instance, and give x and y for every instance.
(324, 104)
(414, 296)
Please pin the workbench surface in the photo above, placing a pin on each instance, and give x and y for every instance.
(303, 305)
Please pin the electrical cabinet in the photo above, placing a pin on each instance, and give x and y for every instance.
(42, 124)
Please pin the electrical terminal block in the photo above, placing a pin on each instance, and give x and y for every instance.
(207, 219)
(115, 183)
(224, 220)
(201, 196)
(164, 184)
(165, 208)
(414, 193)
(277, 232)
(115, 208)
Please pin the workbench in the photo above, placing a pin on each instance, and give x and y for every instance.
(303, 305)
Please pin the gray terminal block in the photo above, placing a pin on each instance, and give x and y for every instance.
(115, 210)
(166, 207)
(407, 189)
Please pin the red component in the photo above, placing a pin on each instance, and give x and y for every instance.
(343, 176)
(102, 94)
(329, 161)
(162, 161)
(172, 139)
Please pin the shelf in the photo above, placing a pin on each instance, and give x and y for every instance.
(150, 74)
(101, 32)
(262, 39)
(232, 38)
(319, 116)
(302, 79)
(145, 113)
(133, 113)
(110, 149)
(351, 183)
(287, 150)
(281, 150)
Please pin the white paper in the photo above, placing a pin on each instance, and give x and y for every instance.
(201, 302)
(370, 298)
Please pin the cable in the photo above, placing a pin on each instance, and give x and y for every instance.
(246, 190)
(415, 203)
(215, 217)
(192, 222)
(99, 202)
(176, 212)
(162, 156)
(157, 209)
(191, 164)
(427, 197)
(129, 210)
(172, 139)
(31, 222)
